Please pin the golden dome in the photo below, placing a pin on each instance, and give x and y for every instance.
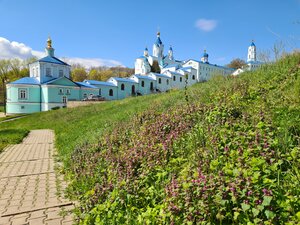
(49, 42)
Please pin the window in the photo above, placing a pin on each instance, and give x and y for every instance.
(22, 93)
(48, 72)
(159, 80)
(180, 79)
(64, 99)
(122, 87)
(61, 91)
(174, 78)
(68, 91)
(143, 83)
(61, 73)
(193, 77)
(100, 91)
(84, 95)
(33, 72)
(151, 86)
(167, 81)
(133, 90)
(22, 107)
(111, 92)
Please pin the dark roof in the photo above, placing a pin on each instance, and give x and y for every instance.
(50, 59)
(59, 78)
(27, 80)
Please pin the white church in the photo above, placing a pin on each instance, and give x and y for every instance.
(252, 62)
(167, 64)
(49, 85)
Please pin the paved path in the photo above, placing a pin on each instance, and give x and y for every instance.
(31, 192)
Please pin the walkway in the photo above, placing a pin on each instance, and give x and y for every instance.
(30, 190)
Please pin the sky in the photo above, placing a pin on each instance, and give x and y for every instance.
(115, 32)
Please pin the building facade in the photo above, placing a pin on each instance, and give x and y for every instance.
(49, 85)
(252, 62)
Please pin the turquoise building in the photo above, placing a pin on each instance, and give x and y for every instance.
(48, 86)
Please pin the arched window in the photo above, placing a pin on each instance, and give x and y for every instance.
(151, 86)
(167, 81)
(99, 91)
(159, 80)
(143, 83)
(111, 92)
(174, 78)
(193, 77)
(180, 79)
(84, 95)
(133, 90)
(122, 87)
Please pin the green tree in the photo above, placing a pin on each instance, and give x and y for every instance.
(94, 74)
(5, 68)
(155, 67)
(79, 74)
(237, 63)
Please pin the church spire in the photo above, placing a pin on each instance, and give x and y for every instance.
(146, 53)
(170, 53)
(204, 57)
(251, 52)
(49, 49)
(158, 47)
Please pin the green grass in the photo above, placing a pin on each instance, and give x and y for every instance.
(144, 160)
(11, 117)
(11, 136)
(85, 124)
(1, 108)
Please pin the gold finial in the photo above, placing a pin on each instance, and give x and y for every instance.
(158, 31)
(49, 42)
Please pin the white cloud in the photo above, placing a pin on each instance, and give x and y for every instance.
(92, 62)
(206, 25)
(12, 49)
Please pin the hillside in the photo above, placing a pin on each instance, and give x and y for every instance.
(222, 152)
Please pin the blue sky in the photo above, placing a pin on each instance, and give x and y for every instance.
(116, 31)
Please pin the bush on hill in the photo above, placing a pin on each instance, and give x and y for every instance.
(230, 156)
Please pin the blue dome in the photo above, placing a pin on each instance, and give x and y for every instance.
(205, 54)
(158, 41)
(252, 44)
(171, 49)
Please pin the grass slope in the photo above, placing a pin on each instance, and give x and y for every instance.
(225, 152)
(230, 155)
(83, 124)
